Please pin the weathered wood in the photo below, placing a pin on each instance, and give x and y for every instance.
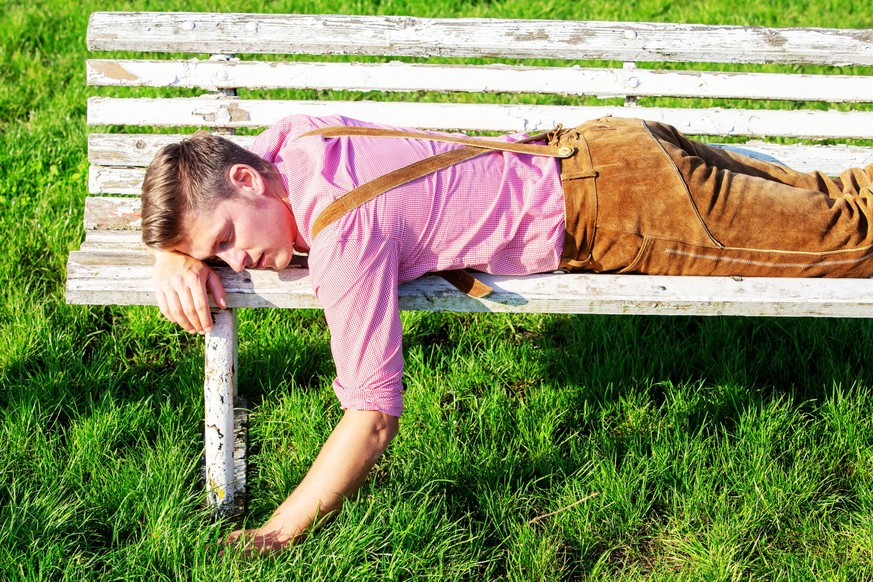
(831, 160)
(94, 279)
(115, 180)
(107, 149)
(407, 77)
(112, 241)
(124, 149)
(113, 213)
(474, 37)
(219, 389)
(212, 111)
(240, 452)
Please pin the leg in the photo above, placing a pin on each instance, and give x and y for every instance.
(668, 205)
(678, 146)
(219, 391)
(767, 219)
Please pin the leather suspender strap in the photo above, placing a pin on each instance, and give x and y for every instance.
(374, 188)
(520, 147)
(466, 283)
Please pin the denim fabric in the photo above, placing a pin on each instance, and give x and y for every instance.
(643, 198)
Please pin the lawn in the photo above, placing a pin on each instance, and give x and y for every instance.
(664, 448)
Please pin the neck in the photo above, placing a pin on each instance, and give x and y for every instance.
(277, 188)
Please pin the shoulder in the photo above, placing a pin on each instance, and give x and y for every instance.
(270, 142)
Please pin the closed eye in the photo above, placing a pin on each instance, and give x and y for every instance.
(225, 241)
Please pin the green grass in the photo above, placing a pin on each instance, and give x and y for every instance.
(718, 449)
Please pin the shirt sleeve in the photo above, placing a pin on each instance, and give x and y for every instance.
(356, 282)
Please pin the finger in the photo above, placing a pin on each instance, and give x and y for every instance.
(188, 316)
(238, 541)
(172, 308)
(216, 288)
(251, 543)
(202, 316)
(231, 539)
(162, 303)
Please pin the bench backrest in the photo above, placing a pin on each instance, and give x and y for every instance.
(541, 73)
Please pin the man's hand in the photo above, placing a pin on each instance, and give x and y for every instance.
(181, 286)
(350, 452)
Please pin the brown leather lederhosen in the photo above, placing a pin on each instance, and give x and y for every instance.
(643, 198)
(473, 147)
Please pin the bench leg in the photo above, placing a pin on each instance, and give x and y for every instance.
(219, 392)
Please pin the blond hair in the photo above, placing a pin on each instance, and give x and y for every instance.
(186, 178)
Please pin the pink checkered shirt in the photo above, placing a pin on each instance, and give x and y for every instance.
(500, 213)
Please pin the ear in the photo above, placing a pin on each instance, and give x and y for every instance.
(246, 179)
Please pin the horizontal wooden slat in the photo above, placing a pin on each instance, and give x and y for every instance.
(405, 77)
(106, 149)
(473, 37)
(124, 149)
(112, 241)
(128, 181)
(225, 112)
(113, 213)
(95, 278)
(831, 160)
(115, 180)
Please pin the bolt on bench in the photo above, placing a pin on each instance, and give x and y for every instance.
(432, 89)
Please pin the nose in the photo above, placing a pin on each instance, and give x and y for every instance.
(235, 259)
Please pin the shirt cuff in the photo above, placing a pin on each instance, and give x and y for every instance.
(387, 399)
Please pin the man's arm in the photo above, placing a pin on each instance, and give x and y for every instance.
(352, 449)
(181, 286)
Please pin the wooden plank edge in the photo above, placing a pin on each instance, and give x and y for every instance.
(576, 293)
(229, 33)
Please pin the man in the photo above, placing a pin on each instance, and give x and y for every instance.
(613, 195)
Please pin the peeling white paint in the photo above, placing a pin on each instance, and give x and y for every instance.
(219, 389)
(476, 37)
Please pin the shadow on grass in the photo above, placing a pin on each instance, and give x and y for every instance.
(632, 391)
(735, 361)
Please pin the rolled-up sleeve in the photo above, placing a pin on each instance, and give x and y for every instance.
(356, 282)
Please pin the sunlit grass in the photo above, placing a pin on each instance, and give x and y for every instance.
(703, 448)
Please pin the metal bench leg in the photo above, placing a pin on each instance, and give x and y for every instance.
(219, 393)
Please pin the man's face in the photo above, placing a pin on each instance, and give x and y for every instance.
(250, 231)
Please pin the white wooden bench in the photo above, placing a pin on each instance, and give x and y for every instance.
(113, 267)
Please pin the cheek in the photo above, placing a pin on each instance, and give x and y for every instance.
(276, 229)
(285, 222)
